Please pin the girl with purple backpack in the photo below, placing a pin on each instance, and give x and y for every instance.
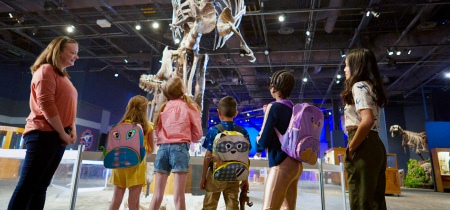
(281, 185)
(133, 178)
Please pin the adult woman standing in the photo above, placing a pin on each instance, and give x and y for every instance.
(365, 157)
(51, 123)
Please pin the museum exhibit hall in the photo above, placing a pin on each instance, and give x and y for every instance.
(105, 52)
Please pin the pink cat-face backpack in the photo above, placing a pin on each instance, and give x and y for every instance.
(302, 138)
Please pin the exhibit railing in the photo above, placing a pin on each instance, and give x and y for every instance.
(81, 182)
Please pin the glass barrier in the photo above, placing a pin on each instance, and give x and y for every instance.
(58, 193)
(315, 188)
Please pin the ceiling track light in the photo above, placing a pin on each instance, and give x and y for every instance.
(282, 18)
(70, 28)
(305, 79)
(242, 53)
(155, 25)
(342, 53)
(138, 26)
(389, 52)
(177, 40)
(447, 75)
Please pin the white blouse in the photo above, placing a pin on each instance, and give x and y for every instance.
(364, 98)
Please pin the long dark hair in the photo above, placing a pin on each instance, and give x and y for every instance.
(363, 67)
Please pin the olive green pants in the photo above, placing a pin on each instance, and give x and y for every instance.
(366, 173)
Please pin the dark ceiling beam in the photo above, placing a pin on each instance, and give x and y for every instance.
(410, 25)
(308, 46)
(439, 74)
(412, 68)
(18, 8)
(289, 11)
(18, 49)
(158, 52)
(362, 25)
(266, 39)
(79, 20)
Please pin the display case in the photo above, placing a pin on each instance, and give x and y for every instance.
(441, 165)
(10, 138)
(336, 155)
(392, 175)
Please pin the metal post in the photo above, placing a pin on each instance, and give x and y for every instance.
(75, 177)
(321, 184)
(424, 104)
(343, 185)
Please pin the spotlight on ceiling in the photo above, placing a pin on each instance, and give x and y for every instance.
(267, 51)
(282, 18)
(125, 60)
(308, 33)
(70, 28)
(409, 52)
(342, 53)
(177, 40)
(11, 15)
(398, 52)
(305, 79)
(447, 75)
(368, 14)
(390, 52)
(338, 76)
(375, 14)
(155, 25)
(338, 81)
(242, 53)
(35, 30)
(49, 5)
(248, 114)
(138, 26)
(116, 75)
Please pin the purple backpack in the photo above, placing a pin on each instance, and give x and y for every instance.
(302, 138)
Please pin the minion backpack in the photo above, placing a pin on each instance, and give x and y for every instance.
(232, 148)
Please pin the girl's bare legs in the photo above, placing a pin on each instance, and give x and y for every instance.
(180, 185)
(158, 194)
(117, 198)
(134, 193)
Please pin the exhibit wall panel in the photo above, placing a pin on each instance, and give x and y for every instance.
(438, 134)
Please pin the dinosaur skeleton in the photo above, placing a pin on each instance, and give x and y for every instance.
(412, 139)
(191, 19)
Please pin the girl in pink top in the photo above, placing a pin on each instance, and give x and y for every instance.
(178, 124)
(51, 123)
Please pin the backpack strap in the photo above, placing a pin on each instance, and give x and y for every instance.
(238, 128)
(220, 127)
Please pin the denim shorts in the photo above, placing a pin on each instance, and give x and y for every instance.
(172, 157)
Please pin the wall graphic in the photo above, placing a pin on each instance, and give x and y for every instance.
(87, 139)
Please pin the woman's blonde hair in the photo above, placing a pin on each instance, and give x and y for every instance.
(173, 89)
(137, 112)
(51, 55)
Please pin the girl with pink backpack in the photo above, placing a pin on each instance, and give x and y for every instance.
(133, 178)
